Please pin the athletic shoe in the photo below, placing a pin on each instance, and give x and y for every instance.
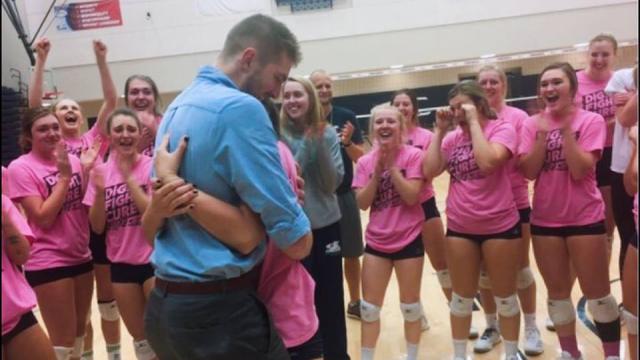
(549, 325)
(532, 342)
(490, 337)
(566, 356)
(473, 333)
(353, 310)
(612, 358)
(424, 323)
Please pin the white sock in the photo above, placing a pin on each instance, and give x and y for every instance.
(492, 320)
(113, 351)
(510, 348)
(460, 348)
(366, 353)
(530, 321)
(412, 351)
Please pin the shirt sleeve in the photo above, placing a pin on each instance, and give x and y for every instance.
(22, 182)
(616, 83)
(17, 218)
(257, 175)
(593, 134)
(414, 165)
(356, 137)
(90, 193)
(363, 172)
(527, 136)
(504, 134)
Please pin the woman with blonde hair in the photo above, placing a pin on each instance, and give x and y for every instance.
(388, 181)
(494, 82)
(316, 148)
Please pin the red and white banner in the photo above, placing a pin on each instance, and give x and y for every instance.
(88, 15)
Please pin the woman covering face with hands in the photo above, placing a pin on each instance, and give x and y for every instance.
(388, 181)
(482, 220)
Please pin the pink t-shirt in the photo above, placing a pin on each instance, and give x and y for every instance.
(75, 146)
(421, 138)
(392, 223)
(125, 239)
(592, 97)
(285, 286)
(558, 200)
(478, 203)
(66, 242)
(17, 296)
(519, 184)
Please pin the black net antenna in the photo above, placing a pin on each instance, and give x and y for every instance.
(11, 9)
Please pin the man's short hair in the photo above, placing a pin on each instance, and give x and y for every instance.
(270, 37)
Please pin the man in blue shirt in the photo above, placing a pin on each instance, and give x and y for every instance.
(204, 304)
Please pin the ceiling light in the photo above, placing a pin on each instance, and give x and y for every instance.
(396, 67)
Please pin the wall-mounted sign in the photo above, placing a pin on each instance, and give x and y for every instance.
(88, 15)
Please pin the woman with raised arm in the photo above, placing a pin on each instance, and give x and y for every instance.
(71, 119)
(559, 149)
(49, 185)
(388, 181)
(494, 82)
(483, 225)
(142, 96)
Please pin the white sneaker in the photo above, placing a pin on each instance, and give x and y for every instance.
(424, 323)
(532, 342)
(549, 325)
(473, 333)
(566, 356)
(490, 337)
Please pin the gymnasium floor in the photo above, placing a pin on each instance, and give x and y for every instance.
(435, 343)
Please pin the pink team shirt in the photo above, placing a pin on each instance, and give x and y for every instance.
(558, 200)
(392, 223)
(17, 296)
(66, 242)
(75, 146)
(421, 138)
(592, 97)
(285, 286)
(125, 239)
(478, 203)
(519, 184)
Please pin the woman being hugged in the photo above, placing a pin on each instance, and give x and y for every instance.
(50, 184)
(483, 224)
(118, 196)
(559, 149)
(494, 82)
(316, 148)
(388, 180)
(432, 229)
